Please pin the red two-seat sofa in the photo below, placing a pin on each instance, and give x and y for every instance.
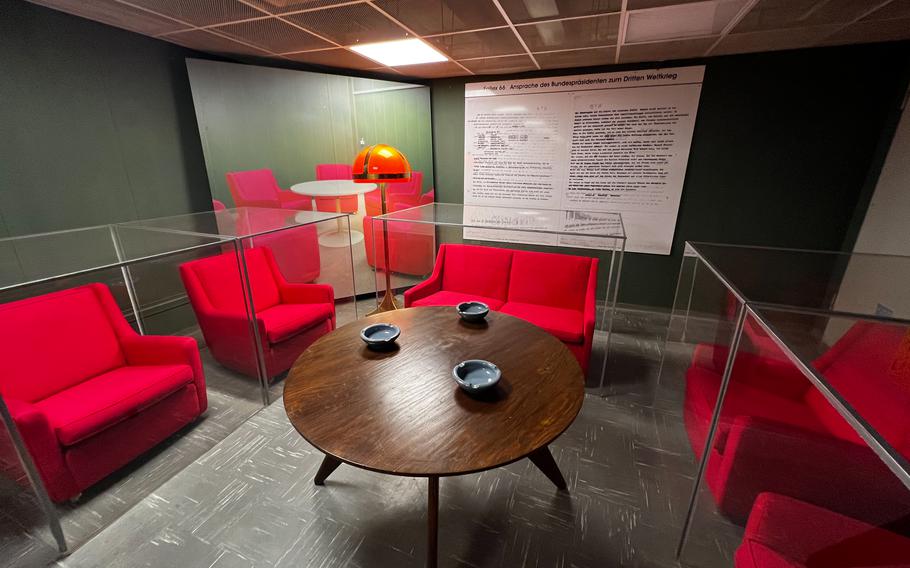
(778, 433)
(786, 533)
(86, 392)
(289, 315)
(553, 291)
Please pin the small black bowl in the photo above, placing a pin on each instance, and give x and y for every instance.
(380, 335)
(472, 311)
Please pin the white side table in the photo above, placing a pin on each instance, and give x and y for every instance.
(336, 188)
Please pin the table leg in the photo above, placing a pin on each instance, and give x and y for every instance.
(329, 464)
(544, 461)
(338, 210)
(432, 521)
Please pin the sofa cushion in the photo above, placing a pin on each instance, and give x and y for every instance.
(566, 325)
(100, 402)
(786, 532)
(220, 279)
(549, 279)
(447, 298)
(286, 320)
(51, 342)
(476, 270)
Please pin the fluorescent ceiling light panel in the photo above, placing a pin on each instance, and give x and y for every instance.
(400, 52)
(680, 21)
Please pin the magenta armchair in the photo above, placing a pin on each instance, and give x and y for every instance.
(398, 196)
(258, 188)
(86, 392)
(553, 291)
(348, 203)
(289, 316)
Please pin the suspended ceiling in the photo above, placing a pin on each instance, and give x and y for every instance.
(500, 36)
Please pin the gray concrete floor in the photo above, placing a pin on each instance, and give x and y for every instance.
(250, 501)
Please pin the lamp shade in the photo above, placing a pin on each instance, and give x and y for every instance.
(381, 162)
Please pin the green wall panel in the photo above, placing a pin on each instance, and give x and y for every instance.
(783, 150)
(253, 117)
(97, 124)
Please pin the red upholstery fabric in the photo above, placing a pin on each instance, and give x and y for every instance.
(289, 316)
(347, 203)
(100, 402)
(398, 196)
(74, 373)
(785, 532)
(258, 188)
(296, 250)
(411, 246)
(553, 291)
(218, 205)
(778, 433)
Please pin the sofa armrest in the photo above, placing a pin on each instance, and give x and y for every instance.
(162, 350)
(41, 441)
(294, 293)
(764, 456)
(429, 286)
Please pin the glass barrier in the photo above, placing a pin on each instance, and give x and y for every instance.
(806, 464)
(557, 269)
(105, 392)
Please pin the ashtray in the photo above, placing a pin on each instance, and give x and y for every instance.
(472, 311)
(380, 335)
(476, 375)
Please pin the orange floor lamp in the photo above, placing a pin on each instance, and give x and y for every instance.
(382, 164)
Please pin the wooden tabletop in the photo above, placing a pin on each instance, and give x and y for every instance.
(401, 412)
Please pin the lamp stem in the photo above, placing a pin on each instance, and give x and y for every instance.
(388, 302)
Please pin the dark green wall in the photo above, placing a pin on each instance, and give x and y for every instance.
(289, 121)
(783, 150)
(97, 124)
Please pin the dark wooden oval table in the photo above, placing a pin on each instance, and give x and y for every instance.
(400, 412)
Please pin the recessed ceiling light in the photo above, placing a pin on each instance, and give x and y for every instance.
(680, 21)
(400, 52)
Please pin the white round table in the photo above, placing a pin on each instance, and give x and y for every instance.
(336, 188)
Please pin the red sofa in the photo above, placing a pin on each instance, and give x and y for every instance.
(787, 533)
(778, 433)
(86, 392)
(553, 291)
(289, 316)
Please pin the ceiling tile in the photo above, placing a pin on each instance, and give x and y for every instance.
(427, 17)
(273, 34)
(432, 70)
(576, 58)
(864, 32)
(778, 14)
(201, 12)
(118, 15)
(522, 11)
(681, 22)
(285, 6)
(348, 25)
(773, 40)
(598, 31)
(891, 11)
(644, 4)
(478, 44)
(665, 50)
(203, 40)
(337, 57)
(508, 64)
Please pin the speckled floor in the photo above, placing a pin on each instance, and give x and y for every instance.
(250, 501)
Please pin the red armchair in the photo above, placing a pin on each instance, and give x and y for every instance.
(411, 245)
(398, 196)
(786, 533)
(86, 392)
(553, 291)
(347, 203)
(778, 433)
(289, 316)
(258, 188)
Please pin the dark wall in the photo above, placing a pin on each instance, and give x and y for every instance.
(784, 148)
(97, 124)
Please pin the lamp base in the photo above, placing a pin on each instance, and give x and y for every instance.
(387, 304)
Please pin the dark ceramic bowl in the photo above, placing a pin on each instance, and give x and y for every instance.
(476, 375)
(380, 335)
(472, 311)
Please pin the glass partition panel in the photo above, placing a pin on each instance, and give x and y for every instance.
(557, 269)
(805, 457)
